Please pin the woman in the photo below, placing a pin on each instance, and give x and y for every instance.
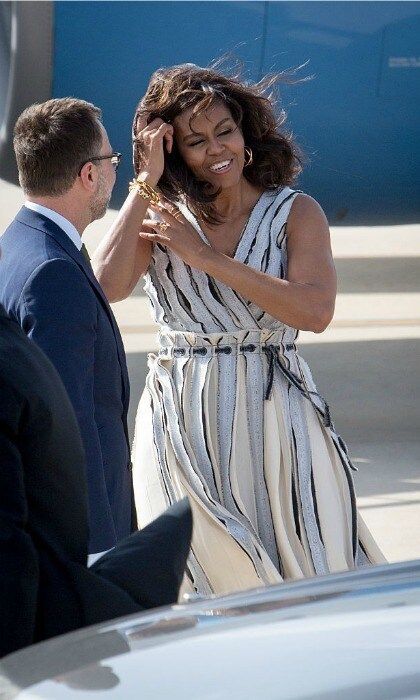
(235, 263)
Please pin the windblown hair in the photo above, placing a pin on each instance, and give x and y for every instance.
(276, 158)
(51, 141)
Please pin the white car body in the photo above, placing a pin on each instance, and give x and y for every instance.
(345, 636)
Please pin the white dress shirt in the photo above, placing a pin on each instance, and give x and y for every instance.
(61, 221)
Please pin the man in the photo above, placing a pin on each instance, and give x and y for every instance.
(45, 586)
(67, 172)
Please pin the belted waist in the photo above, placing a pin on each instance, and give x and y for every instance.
(236, 348)
(275, 345)
(276, 360)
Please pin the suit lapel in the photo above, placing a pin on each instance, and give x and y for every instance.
(42, 223)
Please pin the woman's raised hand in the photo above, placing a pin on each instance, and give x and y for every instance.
(150, 141)
(176, 233)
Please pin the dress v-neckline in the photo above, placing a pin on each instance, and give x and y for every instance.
(242, 236)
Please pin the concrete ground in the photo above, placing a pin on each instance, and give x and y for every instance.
(367, 363)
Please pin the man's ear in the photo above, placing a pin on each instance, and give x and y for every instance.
(88, 177)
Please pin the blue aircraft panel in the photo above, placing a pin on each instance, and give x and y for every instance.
(357, 119)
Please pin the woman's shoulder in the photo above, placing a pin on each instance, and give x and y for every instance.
(304, 212)
(281, 199)
(296, 206)
(306, 208)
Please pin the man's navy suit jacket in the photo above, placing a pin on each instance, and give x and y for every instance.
(49, 288)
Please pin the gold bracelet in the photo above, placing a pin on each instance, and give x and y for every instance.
(144, 190)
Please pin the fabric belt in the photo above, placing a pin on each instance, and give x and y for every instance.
(192, 351)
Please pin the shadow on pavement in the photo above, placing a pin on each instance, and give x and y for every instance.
(378, 275)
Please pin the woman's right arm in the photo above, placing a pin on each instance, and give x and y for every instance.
(123, 257)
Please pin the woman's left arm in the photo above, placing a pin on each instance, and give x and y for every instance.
(305, 300)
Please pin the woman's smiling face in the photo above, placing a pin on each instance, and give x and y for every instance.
(212, 146)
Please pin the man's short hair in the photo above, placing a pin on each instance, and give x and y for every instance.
(51, 141)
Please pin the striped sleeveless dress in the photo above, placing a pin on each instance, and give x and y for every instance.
(230, 417)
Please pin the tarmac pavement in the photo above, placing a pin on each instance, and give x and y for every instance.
(367, 363)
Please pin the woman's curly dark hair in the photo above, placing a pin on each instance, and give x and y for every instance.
(276, 158)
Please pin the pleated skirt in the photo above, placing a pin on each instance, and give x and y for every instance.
(270, 485)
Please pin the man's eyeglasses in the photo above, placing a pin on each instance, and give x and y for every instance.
(115, 160)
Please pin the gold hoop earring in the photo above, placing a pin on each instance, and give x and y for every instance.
(248, 152)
